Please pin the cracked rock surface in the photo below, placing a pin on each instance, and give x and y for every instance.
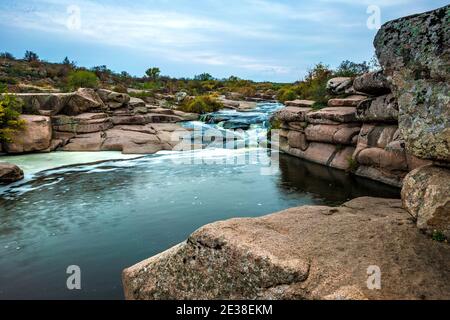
(310, 252)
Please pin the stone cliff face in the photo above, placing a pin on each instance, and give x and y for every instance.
(95, 120)
(415, 54)
(358, 133)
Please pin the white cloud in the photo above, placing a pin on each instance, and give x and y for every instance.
(173, 35)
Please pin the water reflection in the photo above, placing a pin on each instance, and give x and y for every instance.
(330, 186)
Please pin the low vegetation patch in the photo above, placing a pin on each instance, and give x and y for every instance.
(201, 104)
(10, 123)
(82, 79)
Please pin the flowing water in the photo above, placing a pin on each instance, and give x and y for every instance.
(106, 216)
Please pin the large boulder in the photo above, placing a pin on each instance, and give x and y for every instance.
(36, 135)
(86, 142)
(310, 252)
(414, 53)
(47, 104)
(113, 99)
(382, 158)
(297, 140)
(426, 196)
(50, 104)
(376, 136)
(83, 100)
(335, 134)
(373, 83)
(132, 142)
(380, 109)
(293, 114)
(10, 173)
(83, 123)
(326, 154)
(339, 85)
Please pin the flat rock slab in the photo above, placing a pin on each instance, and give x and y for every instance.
(310, 252)
(332, 115)
(351, 101)
(300, 103)
(292, 114)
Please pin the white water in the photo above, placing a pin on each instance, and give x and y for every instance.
(36, 162)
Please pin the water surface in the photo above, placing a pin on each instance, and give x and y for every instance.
(106, 216)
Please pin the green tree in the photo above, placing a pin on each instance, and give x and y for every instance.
(153, 73)
(6, 56)
(201, 104)
(82, 79)
(30, 56)
(351, 69)
(204, 77)
(10, 123)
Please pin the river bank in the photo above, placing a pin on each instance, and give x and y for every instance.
(367, 248)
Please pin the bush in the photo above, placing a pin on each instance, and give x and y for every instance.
(31, 56)
(10, 109)
(351, 69)
(82, 79)
(7, 56)
(286, 94)
(201, 104)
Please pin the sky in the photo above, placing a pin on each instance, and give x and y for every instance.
(262, 40)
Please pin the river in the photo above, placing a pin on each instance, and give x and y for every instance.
(105, 216)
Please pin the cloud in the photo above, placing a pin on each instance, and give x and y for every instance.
(174, 35)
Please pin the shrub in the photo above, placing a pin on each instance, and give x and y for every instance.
(31, 56)
(286, 94)
(82, 79)
(352, 165)
(153, 73)
(438, 236)
(351, 69)
(201, 104)
(10, 109)
(7, 56)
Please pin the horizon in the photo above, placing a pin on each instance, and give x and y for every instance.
(259, 40)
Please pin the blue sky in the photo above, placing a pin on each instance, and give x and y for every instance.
(253, 39)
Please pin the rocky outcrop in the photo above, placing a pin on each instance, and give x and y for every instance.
(94, 120)
(380, 109)
(10, 173)
(113, 100)
(311, 252)
(350, 101)
(372, 83)
(426, 196)
(357, 133)
(50, 104)
(414, 53)
(340, 85)
(36, 135)
(83, 123)
(129, 139)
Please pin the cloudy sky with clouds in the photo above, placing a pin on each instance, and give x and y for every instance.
(255, 39)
